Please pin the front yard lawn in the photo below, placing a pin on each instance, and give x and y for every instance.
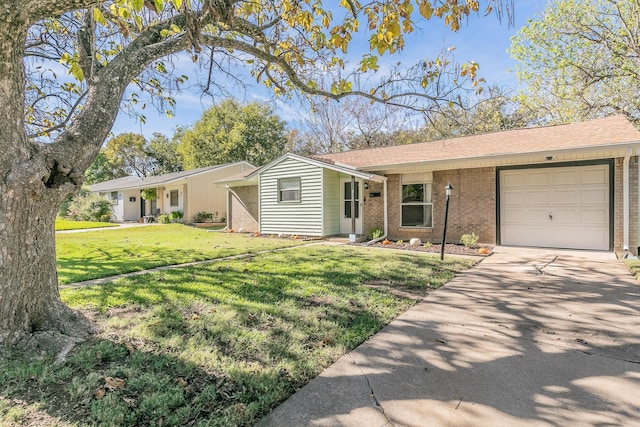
(217, 344)
(96, 254)
(67, 224)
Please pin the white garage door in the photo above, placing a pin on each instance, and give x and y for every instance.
(565, 207)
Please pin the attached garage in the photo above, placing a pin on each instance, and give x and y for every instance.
(556, 207)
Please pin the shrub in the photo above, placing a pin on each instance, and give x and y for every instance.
(64, 207)
(89, 207)
(375, 233)
(470, 240)
(175, 216)
(164, 219)
(427, 245)
(205, 217)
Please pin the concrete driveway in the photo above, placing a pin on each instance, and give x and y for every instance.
(526, 338)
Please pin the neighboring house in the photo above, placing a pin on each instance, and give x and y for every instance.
(566, 186)
(189, 192)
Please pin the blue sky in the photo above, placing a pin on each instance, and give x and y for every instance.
(483, 39)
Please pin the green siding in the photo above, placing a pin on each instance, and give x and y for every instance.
(304, 217)
(331, 191)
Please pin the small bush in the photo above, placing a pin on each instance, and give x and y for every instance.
(164, 219)
(427, 245)
(375, 233)
(470, 240)
(89, 207)
(203, 217)
(176, 216)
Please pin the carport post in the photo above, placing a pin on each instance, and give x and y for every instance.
(447, 190)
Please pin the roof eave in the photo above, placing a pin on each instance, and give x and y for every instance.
(621, 146)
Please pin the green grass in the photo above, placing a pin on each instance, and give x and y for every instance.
(67, 224)
(634, 267)
(92, 255)
(217, 344)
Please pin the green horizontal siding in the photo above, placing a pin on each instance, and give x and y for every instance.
(304, 217)
(331, 191)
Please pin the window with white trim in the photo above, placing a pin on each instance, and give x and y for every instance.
(416, 209)
(289, 190)
(173, 198)
(114, 197)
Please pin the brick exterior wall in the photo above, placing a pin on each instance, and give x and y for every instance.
(472, 206)
(373, 207)
(244, 208)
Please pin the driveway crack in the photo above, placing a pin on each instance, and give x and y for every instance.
(376, 402)
(541, 269)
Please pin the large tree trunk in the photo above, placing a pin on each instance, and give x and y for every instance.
(33, 183)
(31, 312)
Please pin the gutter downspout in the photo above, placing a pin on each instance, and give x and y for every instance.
(386, 216)
(625, 200)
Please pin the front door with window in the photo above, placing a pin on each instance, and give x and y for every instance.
(345, 207)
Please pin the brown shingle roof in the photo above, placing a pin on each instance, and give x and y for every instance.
(600, 132)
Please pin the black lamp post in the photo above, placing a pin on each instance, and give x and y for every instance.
(447, 190)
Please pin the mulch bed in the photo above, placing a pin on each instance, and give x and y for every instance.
(450, 248)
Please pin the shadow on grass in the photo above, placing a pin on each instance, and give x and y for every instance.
(218, 344)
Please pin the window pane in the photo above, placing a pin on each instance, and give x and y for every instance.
(416, 216)
(290, 184)
(347, 191)
(173, 198)
(289, 195)
(289, 190)
(413, 193)
(347, 209)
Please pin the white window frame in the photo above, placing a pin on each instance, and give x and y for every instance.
(423, 203)
(297, 192)
(114, 200)
(171, 198)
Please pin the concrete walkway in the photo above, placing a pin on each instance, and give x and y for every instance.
(525, 338)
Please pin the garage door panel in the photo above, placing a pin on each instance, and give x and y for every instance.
(535, 179)
(594, 177)
(596, 196)
(536, 216)
(563, 178)
(564, 197)
(563, 207)
(511, 180)
(564, 217)
(536, 197)
(594, 216)
(514, 198)
(514, 216)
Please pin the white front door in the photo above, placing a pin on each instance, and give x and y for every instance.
(557, 207)
(345, 207)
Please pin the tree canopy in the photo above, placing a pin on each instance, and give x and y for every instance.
(581, 60)
(229, 132)
(68, 67)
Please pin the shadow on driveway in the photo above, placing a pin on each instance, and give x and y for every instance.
(525, 338)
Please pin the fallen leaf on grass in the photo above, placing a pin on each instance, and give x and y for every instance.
(114, 383)
(99, 393)
(182, 382)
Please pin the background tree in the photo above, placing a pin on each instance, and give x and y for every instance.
(164, 153)
(52, 128)
(102, 169)
(229, 132)
(492, 111)
(129, 151)
(581, 60)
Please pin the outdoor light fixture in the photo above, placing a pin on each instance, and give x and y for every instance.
(447, 191)
(366, 185)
